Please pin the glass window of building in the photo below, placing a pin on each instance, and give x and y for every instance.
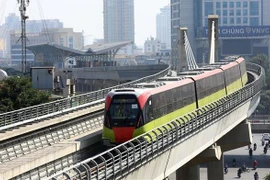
(254, 21)
(208, 8)
(224, 5)
(231, 4)
(218, 12)
(218, 5)
(238, 4)
(225, 21)
(245, 12)
(245, 4)
(231, 20)
(70, 44)
(245, 20)
(254, 8)
(238, 20)
(61, 41)
(231, 12)
(238, 12)
(225, 12)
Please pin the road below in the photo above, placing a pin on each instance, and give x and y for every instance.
(242, 156)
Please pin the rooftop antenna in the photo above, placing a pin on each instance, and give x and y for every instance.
(22, 9)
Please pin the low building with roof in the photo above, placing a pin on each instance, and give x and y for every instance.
(96, 55)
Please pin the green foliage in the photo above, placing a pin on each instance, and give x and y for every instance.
(267, 176)
(264, 106)
(16, 93)
(262, 60)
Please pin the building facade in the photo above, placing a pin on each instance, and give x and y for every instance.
(63, 36)
(38, 31)
(119, 23)
(244, 26)
(4, 42)
(12, 22)
(118, 20)
(153, 46)
(163, 26)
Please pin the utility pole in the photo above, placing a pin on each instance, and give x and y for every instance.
(22, 9)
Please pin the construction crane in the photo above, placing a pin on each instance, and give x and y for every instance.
(22, 9)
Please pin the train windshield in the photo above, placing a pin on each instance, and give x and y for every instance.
(124, 107)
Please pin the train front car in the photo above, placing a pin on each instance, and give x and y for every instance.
(122, 115)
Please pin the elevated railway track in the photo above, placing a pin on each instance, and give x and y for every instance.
(68, 160)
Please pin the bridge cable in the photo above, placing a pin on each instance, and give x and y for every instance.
(190, 57)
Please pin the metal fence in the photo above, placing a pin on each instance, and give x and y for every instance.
(122, 159)
(33, 113)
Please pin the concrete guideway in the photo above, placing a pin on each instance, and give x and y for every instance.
(139, 160)
(38, 158)
(45, 123)
(26, 161)
(171, 160)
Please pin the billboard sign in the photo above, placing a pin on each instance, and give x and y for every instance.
(239, 31)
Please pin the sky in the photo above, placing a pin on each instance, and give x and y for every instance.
(87, 15)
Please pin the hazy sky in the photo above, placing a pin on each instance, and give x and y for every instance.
(87, 15)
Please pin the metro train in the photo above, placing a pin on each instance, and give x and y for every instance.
(130, 112)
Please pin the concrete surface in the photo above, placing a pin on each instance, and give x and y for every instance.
(242, 156)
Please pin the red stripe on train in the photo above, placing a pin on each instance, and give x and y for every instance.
(123, 134)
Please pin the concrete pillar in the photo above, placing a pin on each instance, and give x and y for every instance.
(213, 153)
(188, 173)
(181, 49)
(212, 18)
(238, 137)
(215, 169)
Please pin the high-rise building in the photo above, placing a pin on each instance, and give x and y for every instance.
(12, 22)
(163, 26)
(118, 20)
(36, 26)
(244, 26)
(4, 42)
(182, 14)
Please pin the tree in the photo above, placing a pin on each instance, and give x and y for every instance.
(264, 106)
(16, 93)
(262, 60)
(267, 177)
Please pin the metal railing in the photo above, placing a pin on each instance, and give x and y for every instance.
(33, 113)
(122, 159)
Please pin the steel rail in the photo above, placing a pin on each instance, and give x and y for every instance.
(120, 160)
(59, 107)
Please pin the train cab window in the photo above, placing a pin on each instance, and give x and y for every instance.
(124, 108)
